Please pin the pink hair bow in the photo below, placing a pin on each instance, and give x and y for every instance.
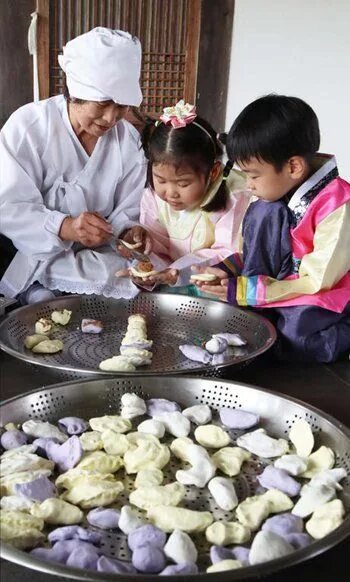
(180, 115)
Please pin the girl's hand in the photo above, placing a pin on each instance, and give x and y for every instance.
(136, 235)
(217, 287)
(89, 228)
(167, 277)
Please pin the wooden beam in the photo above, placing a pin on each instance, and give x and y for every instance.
(192, 45)
(43, 46)
(214, 60)
(16, 73)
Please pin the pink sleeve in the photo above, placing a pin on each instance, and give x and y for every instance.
(227, 229)
(150, 221)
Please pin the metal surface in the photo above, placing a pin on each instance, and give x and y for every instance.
(4, 303)
(171, 320)
(278, 414)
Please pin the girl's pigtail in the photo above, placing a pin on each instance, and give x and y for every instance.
(146, 134)
(220, 200)
(227, 170)
(144, 124)
(222, 138)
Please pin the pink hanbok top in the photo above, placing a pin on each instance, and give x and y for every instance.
(195, 236)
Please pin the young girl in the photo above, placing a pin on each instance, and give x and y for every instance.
(296, 237)
(193, 206)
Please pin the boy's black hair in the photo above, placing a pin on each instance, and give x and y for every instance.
(273, 129)
(188, 145)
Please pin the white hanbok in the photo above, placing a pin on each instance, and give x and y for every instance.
(45, 176)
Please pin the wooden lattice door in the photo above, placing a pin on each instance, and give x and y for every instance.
(169, 32)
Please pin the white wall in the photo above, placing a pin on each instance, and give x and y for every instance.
(295, 47)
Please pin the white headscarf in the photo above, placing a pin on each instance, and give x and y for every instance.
(103, 64)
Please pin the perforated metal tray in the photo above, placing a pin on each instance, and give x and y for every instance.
(171, 320)
(4, 303)
(278, 413)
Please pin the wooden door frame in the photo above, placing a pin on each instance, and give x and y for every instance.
(208, 49)
(192, 50)
(43, 47)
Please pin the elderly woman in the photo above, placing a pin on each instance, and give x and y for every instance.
(72, 173)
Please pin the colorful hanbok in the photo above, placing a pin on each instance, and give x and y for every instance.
(296, 259)
(195, 236)
(45, 176)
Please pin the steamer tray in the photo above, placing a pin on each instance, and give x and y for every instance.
(171, 320)
(90, 398)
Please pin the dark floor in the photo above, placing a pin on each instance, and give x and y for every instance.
(324, 386)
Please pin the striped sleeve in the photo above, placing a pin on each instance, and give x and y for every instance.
(319, 270)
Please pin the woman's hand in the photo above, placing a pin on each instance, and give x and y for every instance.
(137, 235)
(218, 287)
(89, 228)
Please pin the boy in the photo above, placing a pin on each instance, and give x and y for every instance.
(296, 236)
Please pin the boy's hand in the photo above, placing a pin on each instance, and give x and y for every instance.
(220, 290)
(137, 235)
(217, 287)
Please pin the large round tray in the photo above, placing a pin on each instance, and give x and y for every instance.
(171, 320)
(278, 413)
